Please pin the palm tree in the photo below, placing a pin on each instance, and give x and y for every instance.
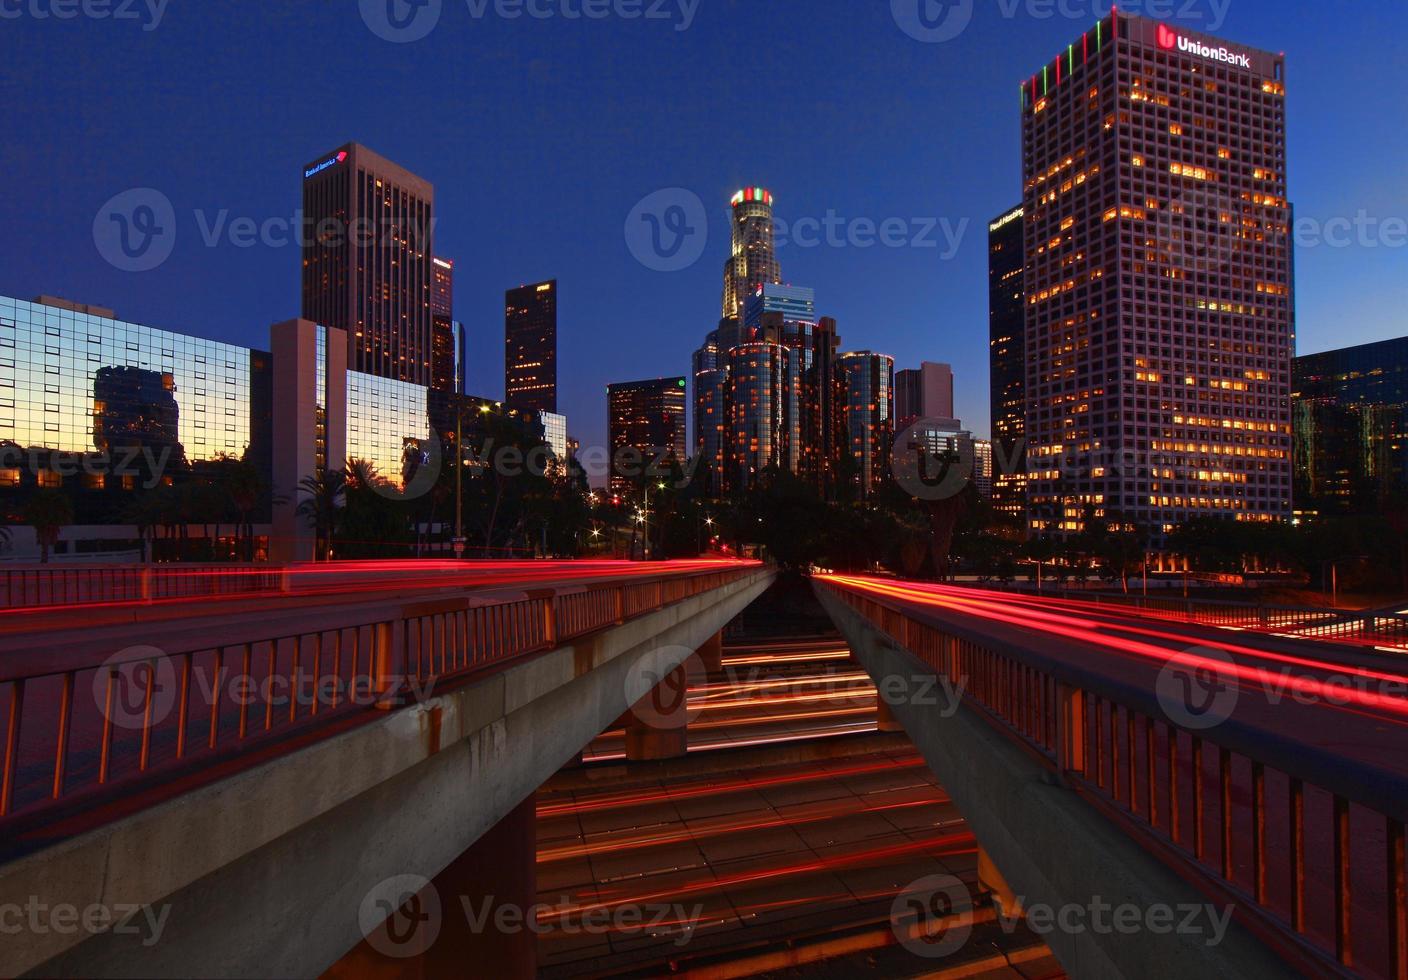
(325, 493)
(48, 512)
(244, 485)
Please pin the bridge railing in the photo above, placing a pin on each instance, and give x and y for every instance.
(1309, 621)
(1234, 804)
(29, 586)
(90, 716)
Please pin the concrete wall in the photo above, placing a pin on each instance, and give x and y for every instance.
(1052, 847)
(264, 872)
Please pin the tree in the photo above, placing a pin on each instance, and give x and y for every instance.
(324, 494)
(245, 486)
(48, 511)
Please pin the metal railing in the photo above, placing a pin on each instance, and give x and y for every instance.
(1311, 622)
(1234, 803)
(59, 585)
(84, 723)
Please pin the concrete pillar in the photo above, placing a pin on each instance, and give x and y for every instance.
(468, 921)
(296, 398)
(711, 654)
(657, 726)
(991, 879)
(885, 720)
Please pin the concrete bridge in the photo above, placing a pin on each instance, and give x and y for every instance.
(1107, 758)
(285, 777)
(258, 768)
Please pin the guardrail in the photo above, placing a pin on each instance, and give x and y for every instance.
(60, 585)
(84, 723)
(1115, 745)
(1311, 622)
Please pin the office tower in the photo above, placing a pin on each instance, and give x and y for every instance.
(1350, 410)
(646, 426)
(1158, 280)
(869, 415)
(764, 422)
(923, 393)
(447, 355)
(555, 434)
(367, 266)
(793, 304)
(982, 466)
(1007, 367)
(752, 260)
(442, 288)
(530, 347)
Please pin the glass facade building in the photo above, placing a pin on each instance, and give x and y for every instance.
(1350, 410)
(795, 304)
(647, 416)
(81, 382)
(869, 415)
(530, 347)
(1007, 374)
(1157, 277)
(765, 424)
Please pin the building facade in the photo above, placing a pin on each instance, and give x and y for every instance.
(752, 259)
(925, 392)
(869, 416)
(1350, 408)
(1007, 374)
(1157, 280)
(106, 410)
(367, 266)
(530, 347)
(645, 423)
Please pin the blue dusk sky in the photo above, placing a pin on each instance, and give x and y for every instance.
(541, 135)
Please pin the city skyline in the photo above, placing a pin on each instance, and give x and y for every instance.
(908, 302)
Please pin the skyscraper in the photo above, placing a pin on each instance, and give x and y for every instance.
(869, 415)
(367, 265)
(1350, 409)
(923, 393)
(648, 418)
(442, 288)
(1159, 317)
(1007, 362)
(530, 347)
(764, 420)
(752, 260)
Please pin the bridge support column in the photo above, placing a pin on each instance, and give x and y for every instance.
(991, 879)
(657, 726)
(469, 921)
(711, 654)
(885, 720)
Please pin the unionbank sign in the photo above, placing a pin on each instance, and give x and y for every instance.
(1170, 39)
